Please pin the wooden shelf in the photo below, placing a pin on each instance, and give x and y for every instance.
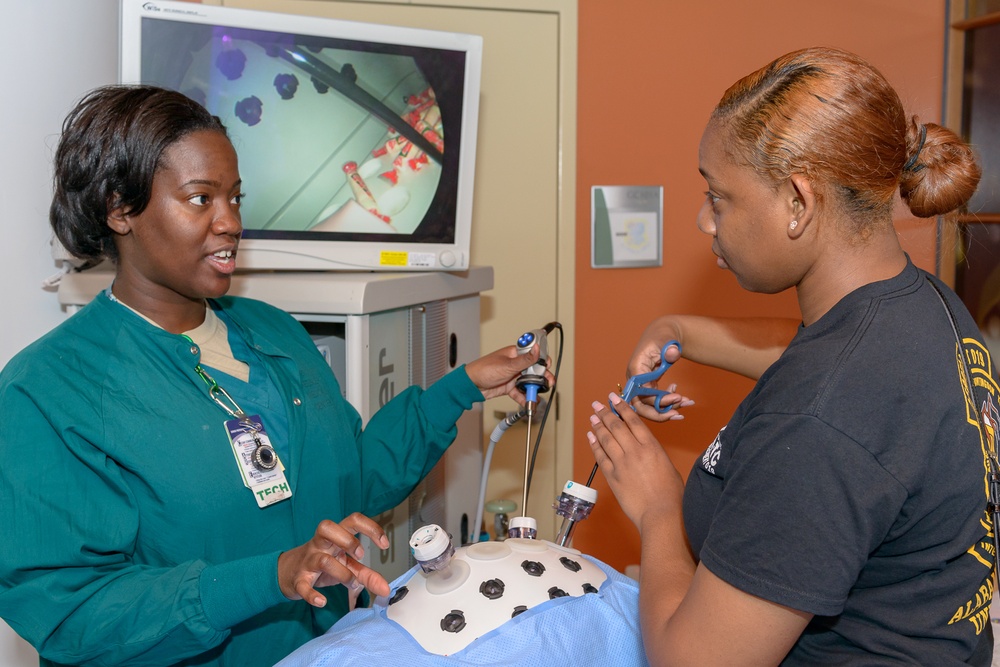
(979, 22)
(966, 218)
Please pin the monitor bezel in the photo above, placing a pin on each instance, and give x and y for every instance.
(324, 254)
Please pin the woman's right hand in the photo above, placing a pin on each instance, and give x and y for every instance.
(743, 345)
(646, 358)
(332, 557)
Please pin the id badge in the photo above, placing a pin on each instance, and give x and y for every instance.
(260, 467)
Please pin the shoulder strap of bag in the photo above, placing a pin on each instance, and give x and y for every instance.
(993, 474)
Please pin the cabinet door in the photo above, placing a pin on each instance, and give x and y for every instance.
(516, 207)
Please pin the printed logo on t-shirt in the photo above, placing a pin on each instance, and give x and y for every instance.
(982, 413)
(710, 458)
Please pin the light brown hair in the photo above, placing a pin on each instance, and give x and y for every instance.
(830, 115)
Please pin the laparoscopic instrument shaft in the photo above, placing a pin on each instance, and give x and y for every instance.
(532, 381)
(527, 458)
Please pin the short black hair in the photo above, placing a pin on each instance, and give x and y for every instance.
(111, 146)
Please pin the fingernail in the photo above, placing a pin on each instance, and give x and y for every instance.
(591, 438)
(359, 553)
(597, 406)
(614, 398)
(384, 542)
(672, 388)
(687, 403)
(354, 585)
(676, 417)
(595, 420)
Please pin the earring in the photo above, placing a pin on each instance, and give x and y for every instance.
(793, 224)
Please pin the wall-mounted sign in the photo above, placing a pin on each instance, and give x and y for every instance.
(626, 226)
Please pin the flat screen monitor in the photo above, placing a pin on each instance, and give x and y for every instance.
(356, 141)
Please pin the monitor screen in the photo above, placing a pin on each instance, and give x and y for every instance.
(356, 141)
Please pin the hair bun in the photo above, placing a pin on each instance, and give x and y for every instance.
(941, 173)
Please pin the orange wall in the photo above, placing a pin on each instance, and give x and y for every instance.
(650, 73)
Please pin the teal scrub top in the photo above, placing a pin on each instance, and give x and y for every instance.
(129, 536)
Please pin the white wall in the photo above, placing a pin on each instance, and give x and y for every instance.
(52, 51)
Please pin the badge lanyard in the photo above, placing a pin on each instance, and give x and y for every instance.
(260, 467)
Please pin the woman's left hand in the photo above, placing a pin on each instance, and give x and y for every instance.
(332, 557)
(496, 373)
(638, 470)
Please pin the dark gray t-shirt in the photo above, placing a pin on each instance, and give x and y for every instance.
(850, 484)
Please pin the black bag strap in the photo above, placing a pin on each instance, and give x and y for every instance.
(993, 474)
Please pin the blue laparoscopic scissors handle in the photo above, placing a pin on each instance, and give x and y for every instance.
(635, 385)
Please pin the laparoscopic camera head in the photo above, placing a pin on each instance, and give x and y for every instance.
(532, 380)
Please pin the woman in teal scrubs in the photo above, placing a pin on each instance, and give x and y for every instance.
(182, 481)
